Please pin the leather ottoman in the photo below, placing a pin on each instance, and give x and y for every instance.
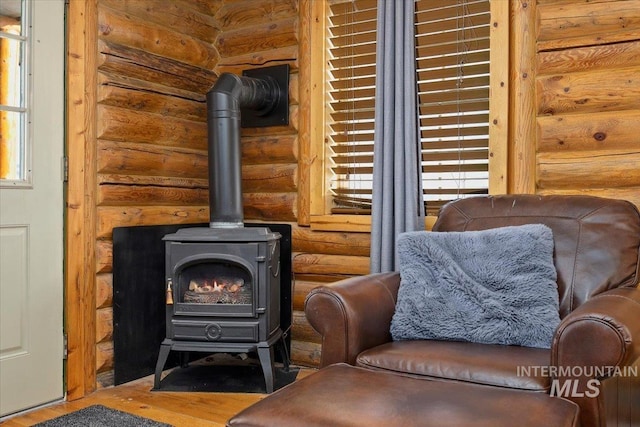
(344, 395)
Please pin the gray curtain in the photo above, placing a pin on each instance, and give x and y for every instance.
(397, 188)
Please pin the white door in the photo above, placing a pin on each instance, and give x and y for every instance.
(31, 203)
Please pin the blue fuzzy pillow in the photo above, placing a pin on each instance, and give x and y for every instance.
(495, 286)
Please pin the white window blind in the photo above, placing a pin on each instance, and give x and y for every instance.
(452, 52)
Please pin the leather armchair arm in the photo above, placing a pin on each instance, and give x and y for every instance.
(352, 315)
(603, 332)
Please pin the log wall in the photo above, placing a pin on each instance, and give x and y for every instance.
(587, 98)
(574, 107)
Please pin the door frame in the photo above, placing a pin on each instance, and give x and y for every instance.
(80, 209)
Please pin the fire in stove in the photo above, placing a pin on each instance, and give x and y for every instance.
(219, 290)
(214, 282)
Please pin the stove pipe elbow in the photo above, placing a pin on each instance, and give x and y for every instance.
(224, 101)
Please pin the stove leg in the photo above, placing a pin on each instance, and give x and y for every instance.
(162, 359)
(265, 354)
(284, 353)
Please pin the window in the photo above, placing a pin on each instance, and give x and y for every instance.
(456, 72)
(350, 92)
(14, 39)
(452, 45)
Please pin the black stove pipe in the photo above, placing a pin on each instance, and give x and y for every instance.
(224, 101)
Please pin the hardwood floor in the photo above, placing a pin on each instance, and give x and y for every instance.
(179, 409)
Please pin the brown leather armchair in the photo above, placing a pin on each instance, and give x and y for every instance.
(595, 355)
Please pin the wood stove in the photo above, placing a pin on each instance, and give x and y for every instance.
(223, 293)
(223, 282)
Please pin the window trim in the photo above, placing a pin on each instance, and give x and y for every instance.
(320, 216)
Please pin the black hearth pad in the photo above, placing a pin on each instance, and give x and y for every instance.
(242, 378)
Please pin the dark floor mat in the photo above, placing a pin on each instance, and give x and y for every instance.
(100, 416)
